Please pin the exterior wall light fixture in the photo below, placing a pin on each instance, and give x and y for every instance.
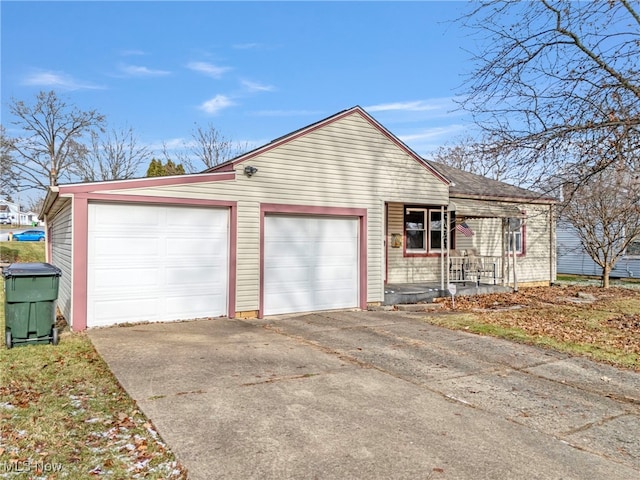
(249, 170)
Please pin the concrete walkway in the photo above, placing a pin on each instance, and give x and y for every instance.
(368, 395)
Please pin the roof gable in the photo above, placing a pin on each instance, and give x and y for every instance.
(357, 110)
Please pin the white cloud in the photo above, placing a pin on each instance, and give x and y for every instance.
(215, 104)
(142, 71)
(246, 46)
(429, 140)
(208, 69)
(132, 52)
(414, 106)
(286, 113)
(433, 133)
(257, 87)
(59, 80)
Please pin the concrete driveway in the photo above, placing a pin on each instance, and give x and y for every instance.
(368, 395)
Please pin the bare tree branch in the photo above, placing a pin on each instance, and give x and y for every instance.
(554, 75)
(207, 148)
(115, 156)
(53, 139)
(8, 177)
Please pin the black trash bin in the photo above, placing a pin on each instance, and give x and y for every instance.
(31, 291)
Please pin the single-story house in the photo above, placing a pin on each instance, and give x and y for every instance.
(318, 219)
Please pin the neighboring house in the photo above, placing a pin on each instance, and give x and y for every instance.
(29, 218)
(10, 214)
(573, 259)
(318, 219)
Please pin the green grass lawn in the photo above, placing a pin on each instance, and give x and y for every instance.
(64, 415)
(11, 252)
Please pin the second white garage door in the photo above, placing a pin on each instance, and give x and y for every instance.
(156, 263)
(310, 263)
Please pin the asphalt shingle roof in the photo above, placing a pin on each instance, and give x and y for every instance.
(466, 184)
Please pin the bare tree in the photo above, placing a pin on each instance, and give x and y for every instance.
(483, 157)
(53, 138)
(8, 181)
(35, 204)
(604, 208)
(211, 147)
(207, 148)
(117, 155)
(605, 215)
(554, 78)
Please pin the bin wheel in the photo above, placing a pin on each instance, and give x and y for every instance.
(54, 336)
(8, 339)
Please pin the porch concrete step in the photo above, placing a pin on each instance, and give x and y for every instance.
(418, 307)
(410, 295)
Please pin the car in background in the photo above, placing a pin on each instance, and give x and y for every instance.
(29, 236)
(5, 221)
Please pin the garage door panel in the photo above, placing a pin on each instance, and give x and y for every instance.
(125, 310)
(190, 306)
(291, 302)
(310, 263)
(142, 216)
(333, 249)
(325, 299)
(332, 228)
(285, 274)
(121, 278)
(198, 275)
(173, 265)
(117, 246)
(205, 219)
(189, 246)
(334, 273)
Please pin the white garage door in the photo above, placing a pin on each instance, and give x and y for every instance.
(156, 263)
(310, 263)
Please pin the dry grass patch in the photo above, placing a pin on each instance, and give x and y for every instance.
(24, 252)
(603, 324)
(64, 415)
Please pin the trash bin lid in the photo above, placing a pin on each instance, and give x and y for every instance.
(31, 270)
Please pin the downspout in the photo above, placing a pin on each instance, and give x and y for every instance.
(49, 200)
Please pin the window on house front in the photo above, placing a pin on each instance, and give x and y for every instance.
(423, 230)
(435, 230)
(633, 249)
(515, 240)
(415, 229)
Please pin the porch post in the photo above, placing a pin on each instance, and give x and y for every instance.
(505, 258)
(512, 242)
(445, 239)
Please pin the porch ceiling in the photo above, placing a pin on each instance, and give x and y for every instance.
(467, 207)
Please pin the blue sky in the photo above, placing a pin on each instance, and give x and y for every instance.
(253, 70)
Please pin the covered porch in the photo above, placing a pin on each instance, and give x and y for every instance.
(470, 243)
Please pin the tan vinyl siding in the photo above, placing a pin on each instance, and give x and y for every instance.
(348, 163)
(402, 269)
(61, 254)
